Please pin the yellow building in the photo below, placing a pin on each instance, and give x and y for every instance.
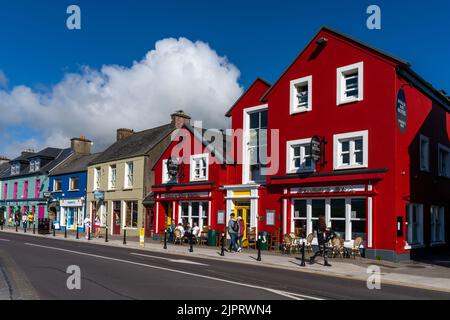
(121, 177)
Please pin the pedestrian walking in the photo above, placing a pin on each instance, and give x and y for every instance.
(241, 232)
(233, 230)
(87, 226)
(324, 235)
(97, 226)
(24, 220)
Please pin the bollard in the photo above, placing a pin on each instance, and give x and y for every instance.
(17, 228)
(222, 250)
(89, 233)
(165, 238)
(303, 255)
(54, 231)
(124, 236)
(76, 235)
(24, 228)
(191, 249)
(106, 234)
(258, 243)
(65, 231)
(1, 226)
(34, 228)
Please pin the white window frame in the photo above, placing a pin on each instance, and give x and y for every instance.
(70, 184)
(290, 154)
(190, 216)
(54, 185)
(110, 176)
(442, 148)
(97, 179)
(124, 215)
(337, 138)
(192, 165)
(435, 223)
(341, 86)
(294, 107)
(129, 177)
(246, 141)
(424, 166)
(419, 226)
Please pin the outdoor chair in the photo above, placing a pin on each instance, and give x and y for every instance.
(275, 240)
(177, 237)
(356, 250)
(337, 247)
(251, 238)
(289, 244)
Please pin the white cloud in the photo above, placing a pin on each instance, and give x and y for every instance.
(177, 74)
(3, 79)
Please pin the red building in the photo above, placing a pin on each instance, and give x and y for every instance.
(348, 132)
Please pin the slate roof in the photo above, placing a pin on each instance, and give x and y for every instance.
(138, 144)
(56, 155)
(76, 163)
(4, 167)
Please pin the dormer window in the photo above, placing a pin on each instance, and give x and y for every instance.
(35, 165)
(15, 168)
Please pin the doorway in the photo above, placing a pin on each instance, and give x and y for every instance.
(242, 209)
(117, 216)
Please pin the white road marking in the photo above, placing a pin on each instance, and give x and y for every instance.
(290, 295)
(7, 240)
(168, 259)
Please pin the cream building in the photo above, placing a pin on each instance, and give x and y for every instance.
(121, 177)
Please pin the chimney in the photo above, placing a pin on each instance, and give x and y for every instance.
(81, 145)
(123, 133)
(27, 152)
(3, 160)
(179, 118)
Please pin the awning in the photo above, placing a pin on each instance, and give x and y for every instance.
(149, 200)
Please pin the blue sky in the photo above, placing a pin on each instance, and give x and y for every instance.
(260, 38)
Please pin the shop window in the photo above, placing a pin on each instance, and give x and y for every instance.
(444, 161)
(112, 177)
(337, 216)
(414, 220)
(350, 83)
(300, 217)
(437, 225)
(194, 212)
(301, 95)
(73, 184)
(358, 218)
(131, 217)
(199, 167)
(424, 153)
(351, 150)
(57, 185)
(299, 156)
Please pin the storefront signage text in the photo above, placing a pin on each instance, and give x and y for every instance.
(184, 195)
(330, 189)
(70, 203)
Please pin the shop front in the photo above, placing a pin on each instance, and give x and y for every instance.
(71, 214)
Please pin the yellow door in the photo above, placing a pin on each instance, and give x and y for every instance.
(243, 210)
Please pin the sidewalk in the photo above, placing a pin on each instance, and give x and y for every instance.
(411, 273)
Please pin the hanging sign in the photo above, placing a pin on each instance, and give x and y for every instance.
(402, 110)
(316, 150)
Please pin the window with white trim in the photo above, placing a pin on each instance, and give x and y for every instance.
(129, 172)
(351, 150)
(437, 225)
(57, 185)
(35, 165)
(301, 95)
(15, 168)
(73, 183)
(199, 167)
(112, 177)
(97, 176)
(131, 214)
(299, 156)
(194, 212)
(414, 221)
(350, 83)
(443, 161)
(424, 153)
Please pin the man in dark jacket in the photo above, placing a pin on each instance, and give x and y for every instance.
(324, 235)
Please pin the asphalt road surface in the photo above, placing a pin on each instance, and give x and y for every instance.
(36, 268)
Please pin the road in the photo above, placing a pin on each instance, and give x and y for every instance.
(35, 268)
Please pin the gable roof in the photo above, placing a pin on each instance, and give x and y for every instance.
(55, 155)
(138, 144)
(403, 67)
(257, 80)
(76, 163)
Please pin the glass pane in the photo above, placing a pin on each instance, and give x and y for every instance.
(318, 208)
(184, 209)
(337, 208)
(195, 209)
(359, 157)
(359, 229)
(358, 208)
(264, 119)
(338, 226)
(253, 137)
(135, 214)
(204, 209)
(308, 162)
(345, 146)
(297, 163)
(346, 158)
(358, 144)
(253, 153)
(299, 209)
(254, 120)
(296, 151)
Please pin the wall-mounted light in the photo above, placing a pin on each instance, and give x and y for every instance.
(321, 40)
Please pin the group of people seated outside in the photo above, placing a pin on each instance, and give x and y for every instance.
(185, 231)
